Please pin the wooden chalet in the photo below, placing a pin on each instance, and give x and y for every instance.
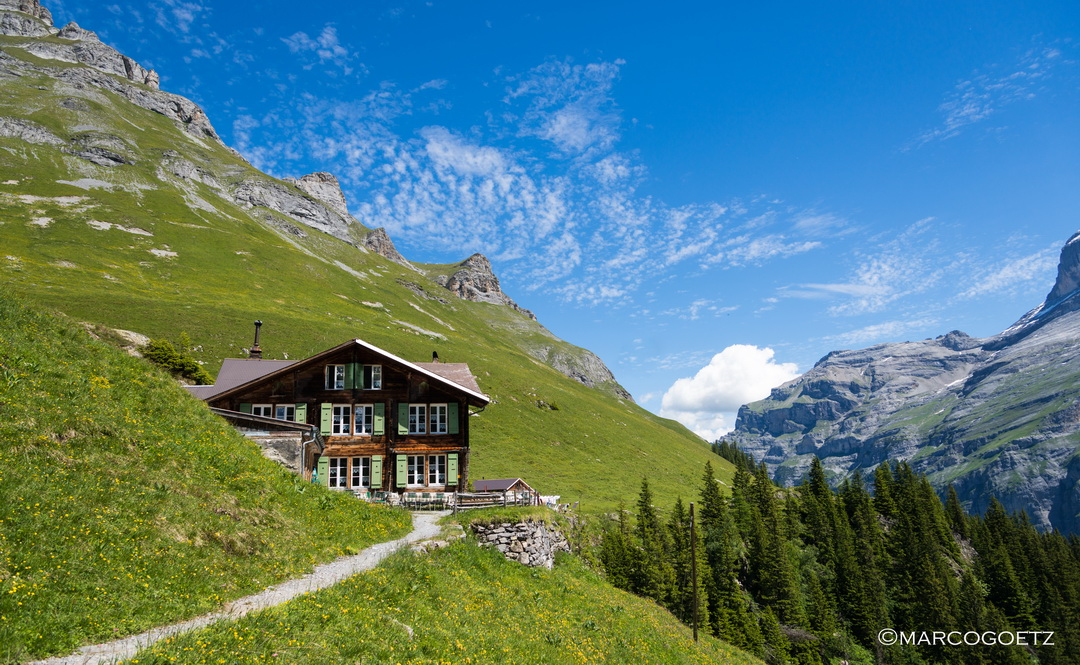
(355, 417)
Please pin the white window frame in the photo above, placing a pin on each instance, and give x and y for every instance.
(360, 473)
(375, 376)
(264, 410)
(337, 472)
(364, 418)
(341, 419)
(416, 471)
(438, 417)
(335, 377)
(436, 475)
(418, 419)
(285, 412)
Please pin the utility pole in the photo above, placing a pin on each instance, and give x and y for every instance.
(693, 566)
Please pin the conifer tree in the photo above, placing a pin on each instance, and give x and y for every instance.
(776, 645)
(618, 556)
(657, 573)
(954, 511)
(883, 491)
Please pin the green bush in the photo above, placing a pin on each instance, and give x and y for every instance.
(164, 354)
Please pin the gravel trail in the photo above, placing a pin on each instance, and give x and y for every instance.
(329, 574)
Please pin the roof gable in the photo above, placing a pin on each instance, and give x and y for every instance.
(456, 377)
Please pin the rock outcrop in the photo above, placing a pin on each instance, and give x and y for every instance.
(25, 18)
(84, 46)
(257, 192)
(583, 366)
(474, 280)
(378, 241)
(324, 187)
(994, 417)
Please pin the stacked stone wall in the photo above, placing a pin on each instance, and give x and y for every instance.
(530, 543)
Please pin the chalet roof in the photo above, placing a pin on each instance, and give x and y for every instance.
(238, 371)
(498, 484)
(459, 373)
(456, 377)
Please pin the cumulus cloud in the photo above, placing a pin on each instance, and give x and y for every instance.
(708, 401)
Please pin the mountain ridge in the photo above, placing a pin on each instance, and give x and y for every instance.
(998, 416)
(121, 215)
(314, 200)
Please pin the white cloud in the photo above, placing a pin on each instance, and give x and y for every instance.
(327, 47)
(974, 100)
(178, 15)
(569, 105)
(707, 402)
(576, 227)
(1035, 268)
(887, 331)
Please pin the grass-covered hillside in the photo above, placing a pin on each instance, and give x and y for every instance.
(157, 244)
(462, 604)
(124, 504)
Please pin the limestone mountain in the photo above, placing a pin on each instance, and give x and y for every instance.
(120, 205)
(998, 416)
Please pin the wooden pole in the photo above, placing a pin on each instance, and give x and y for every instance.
(693, 567)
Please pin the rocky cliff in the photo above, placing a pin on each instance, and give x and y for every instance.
(474, 280)
(995, 417)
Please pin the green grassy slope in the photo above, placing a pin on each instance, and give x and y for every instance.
(179, 257)
(124, 504)
(464, 605)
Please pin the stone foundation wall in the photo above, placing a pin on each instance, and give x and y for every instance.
(530, 543)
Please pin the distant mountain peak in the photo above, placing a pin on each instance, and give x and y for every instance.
(31, 7)
(324, 187)
(475, 280)
(993, 417)
(1068, 277)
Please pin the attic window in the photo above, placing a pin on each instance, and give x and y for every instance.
(372, 377)
(335, 377)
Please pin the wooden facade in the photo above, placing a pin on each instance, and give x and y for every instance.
(386, 424)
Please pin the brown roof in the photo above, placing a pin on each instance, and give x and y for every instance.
(498, 484)
(236, 372)
(242, 371)
(459, 373)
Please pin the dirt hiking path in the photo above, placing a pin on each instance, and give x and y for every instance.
(329, 574)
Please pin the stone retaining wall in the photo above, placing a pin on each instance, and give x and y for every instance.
(530, 543)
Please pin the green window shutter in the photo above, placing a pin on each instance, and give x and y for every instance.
(245, 408)
(402, 470)
(451, 469)
(452, 418)
(324, 471)
(403, 418)
(350, 376)
(301, 412)
(379, 425)
(326, 419)
(376, 472)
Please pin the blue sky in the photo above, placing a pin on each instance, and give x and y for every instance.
(710, 196)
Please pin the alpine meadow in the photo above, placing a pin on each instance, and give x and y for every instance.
(239, 424)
